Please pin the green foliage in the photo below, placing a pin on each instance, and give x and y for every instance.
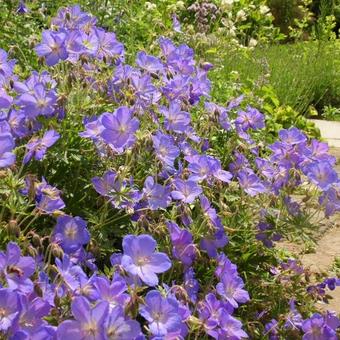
(331, 113)
(301, 74)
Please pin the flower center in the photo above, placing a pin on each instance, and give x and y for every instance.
(122, 128)
(71, 232)
(41, 103)
(3, 312)
(55, 49)
(91, 328)
(157, 316)
(15, 270)
(143, 261)
(162, 150)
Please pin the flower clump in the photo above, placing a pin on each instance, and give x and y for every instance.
(157, 145)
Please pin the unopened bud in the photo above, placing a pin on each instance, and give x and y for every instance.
(38, 290)
(57, 251)
(32, 251)
(12, 228)
(57, 213)
(36, 240)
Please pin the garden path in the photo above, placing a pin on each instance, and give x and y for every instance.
(326, 250)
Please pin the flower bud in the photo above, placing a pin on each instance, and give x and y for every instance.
(32, 251)
(36, 240)
(12, 228)
(57, 251)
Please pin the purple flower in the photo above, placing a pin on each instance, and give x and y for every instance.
(231, 289)
(17, 121)
(271, 329)
(225, 266)
(176, 25)
(48, 198)
(52, 47)
(109, 48)
(33, 310)
(120, 128)
(90, 42)
(294, 318)
(94, 129)
(158, 196)
(206, 167)
(250, 119)
(210, 310)
(116, 189)
(16, 268)
(149, 63)
(175, 119)
(39, 101)
(70, 273)
(119, 327)
(231, 328)
(316, 328)
(161, 313)
(331, 200)
(191, 285)
(140, 259)
(322, 174)
(165, 149)
(48, 290)
(177, 88)
(239, 163)
(10, 308)
(250, 183)
(186, 191)
(71, 233)
(145, 92)
(211, 243)
(38, 147)
(5, 99)
(107, 184)
(6, 66)
(113, 292)
(319, 152)
(292, 136)
(22, 9)
(89, 321)
(7, 158)
(182, 242)
(210, 212)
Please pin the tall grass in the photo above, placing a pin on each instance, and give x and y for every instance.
(302, 74)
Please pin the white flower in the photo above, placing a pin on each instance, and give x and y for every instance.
(227, 4)
(150, 6)
(241, 15)
(264, 9)
(252, 42)
(227, 22)
(180, 5)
